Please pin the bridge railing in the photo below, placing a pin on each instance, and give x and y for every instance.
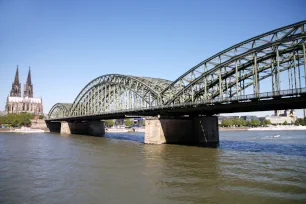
(244, 98)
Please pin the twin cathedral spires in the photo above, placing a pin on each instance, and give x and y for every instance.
(16, 86)
(26, 104)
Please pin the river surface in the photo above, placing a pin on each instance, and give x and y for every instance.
(247, 167)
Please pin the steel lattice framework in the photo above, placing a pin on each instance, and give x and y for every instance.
(232, 73)
(114, 92)
(243, 65)
(60, 110)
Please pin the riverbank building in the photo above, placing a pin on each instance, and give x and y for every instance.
(16, 103)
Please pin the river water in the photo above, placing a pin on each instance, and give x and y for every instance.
(247, 167)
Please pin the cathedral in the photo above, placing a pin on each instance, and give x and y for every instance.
(26, 104)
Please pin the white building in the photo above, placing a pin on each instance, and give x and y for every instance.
(289, 117)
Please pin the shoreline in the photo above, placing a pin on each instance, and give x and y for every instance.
(233, 129)
(271, 128)
(6, 129)
(12, 130)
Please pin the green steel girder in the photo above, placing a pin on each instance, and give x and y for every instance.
(219, 63)
(287, 64)
(60, 110)
(265, 60)
(110, 88)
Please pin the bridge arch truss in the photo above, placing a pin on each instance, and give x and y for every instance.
(239, 69)
(59, 110)
(115, 92)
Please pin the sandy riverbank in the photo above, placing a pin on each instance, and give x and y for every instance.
(5, 130)
(10, 130)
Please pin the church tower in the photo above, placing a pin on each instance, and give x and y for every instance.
(16, 87)
(28, 87)
(26, 104)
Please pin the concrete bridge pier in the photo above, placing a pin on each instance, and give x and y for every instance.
(93, 128)
(54, 126)
(206, 129)
(200, 130)
(96, 128)
(65, 128)
(80, 128)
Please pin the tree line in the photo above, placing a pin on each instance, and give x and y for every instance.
(16, 120)
(300, 121)
(238, 122)
(255, 123)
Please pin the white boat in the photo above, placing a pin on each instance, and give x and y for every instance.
(139, 130)
(27, 130)
(116, 130)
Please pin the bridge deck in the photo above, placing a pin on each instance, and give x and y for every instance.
(287, 99)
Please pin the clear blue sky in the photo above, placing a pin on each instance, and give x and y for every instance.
(69, 43)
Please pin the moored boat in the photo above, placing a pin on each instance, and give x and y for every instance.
(27, 130)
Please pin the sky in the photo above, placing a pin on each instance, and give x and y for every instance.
(69, 43)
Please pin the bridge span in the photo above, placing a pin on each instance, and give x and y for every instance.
(266, 72)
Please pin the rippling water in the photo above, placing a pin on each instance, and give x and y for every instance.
(247, 167)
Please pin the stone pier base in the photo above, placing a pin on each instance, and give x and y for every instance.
(205, 129)
(160, 131)
(94, 128)
(196, 130)
(54, 126)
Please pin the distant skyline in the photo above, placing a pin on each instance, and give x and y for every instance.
(69, 43)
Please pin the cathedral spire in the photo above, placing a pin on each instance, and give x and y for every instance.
(29, 81)
(16, 90)
(16, 81)
(28, 87)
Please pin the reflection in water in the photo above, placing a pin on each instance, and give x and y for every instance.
(137, 137)
(182, 174)
(245, 168)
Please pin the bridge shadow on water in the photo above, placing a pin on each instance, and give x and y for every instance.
(133, 136)
(233, 145)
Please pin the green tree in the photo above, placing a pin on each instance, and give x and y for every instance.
(15, 123)
(266, 122)
(300, 121)
(41, 117)
(27, 122)
(128, 122)
(109, 123)
(255, 123)
(16, 120)
(236, 122)
(227, 123)
(285, 123)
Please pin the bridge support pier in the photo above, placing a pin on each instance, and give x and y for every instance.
(200, 130)
(65, 128)
(94, 128)
(205, 129)
(54, 126)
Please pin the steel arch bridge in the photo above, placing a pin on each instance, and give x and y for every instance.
(266, 66)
